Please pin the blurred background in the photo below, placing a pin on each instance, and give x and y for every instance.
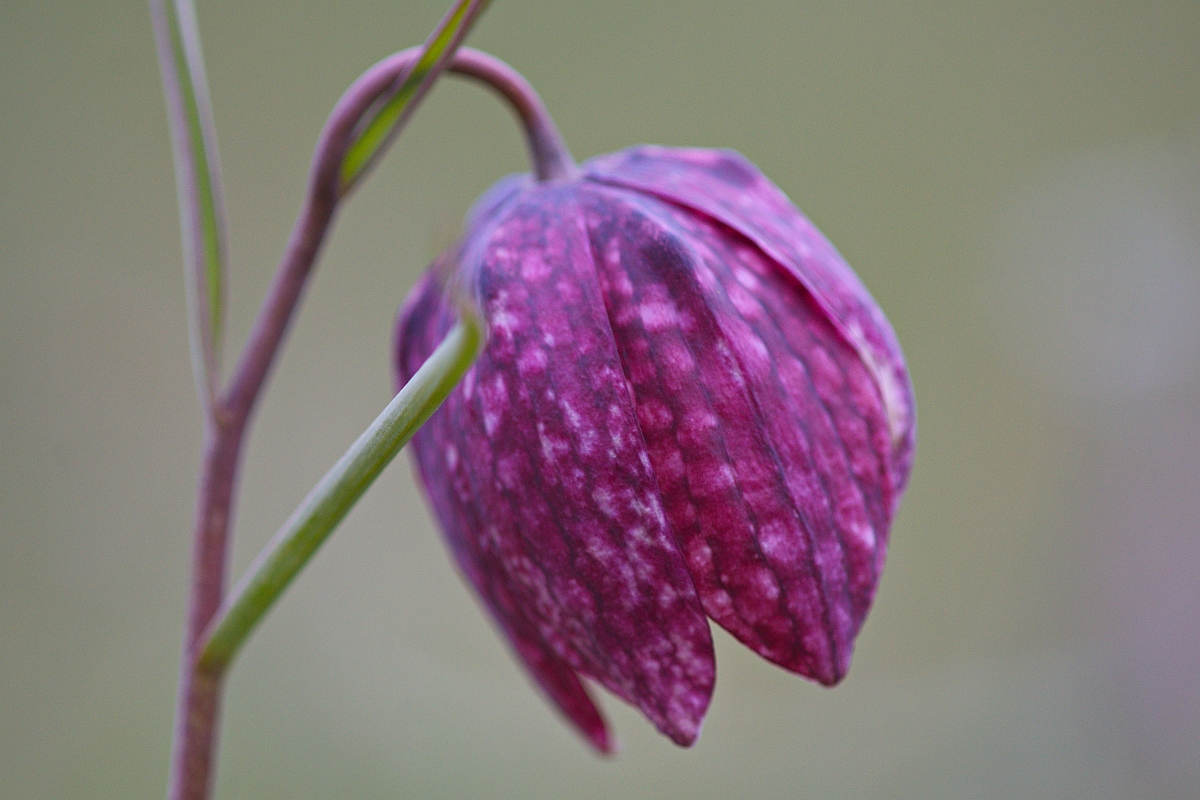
(1018, 183)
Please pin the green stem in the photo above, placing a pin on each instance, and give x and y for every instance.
(198, 182)
(329, 501)
(437, 52)
(228, 413)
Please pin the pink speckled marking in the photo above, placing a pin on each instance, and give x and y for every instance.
(757, 476)
(723, 185)
(688, 405)
(550, 504)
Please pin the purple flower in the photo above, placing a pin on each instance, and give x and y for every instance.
(688, 407)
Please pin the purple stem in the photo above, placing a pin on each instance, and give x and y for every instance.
(548, 153)
(199, 691)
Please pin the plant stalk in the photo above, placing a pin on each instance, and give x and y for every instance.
(198, 708)
(226, 417)
(198, 702)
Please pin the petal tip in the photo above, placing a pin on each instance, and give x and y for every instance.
(685, 739)
(605, 744)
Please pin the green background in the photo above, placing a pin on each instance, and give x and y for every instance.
(1018, 183)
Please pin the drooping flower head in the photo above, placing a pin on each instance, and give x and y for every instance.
(688, 407)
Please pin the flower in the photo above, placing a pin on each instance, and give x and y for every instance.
(688, 406)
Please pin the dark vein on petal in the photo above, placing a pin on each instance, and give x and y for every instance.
(782, 493)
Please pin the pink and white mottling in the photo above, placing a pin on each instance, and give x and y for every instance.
(688, 407)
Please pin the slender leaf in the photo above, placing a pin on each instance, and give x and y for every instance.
(391, 115)
(329, 501)
(198, 183)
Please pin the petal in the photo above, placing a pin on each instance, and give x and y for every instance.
(765, 429)
(723, 185)
(493, 201)
(551, 484)
(424, 321)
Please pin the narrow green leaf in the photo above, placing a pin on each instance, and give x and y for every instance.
(329, 501)
(198, 183)
(390, 117)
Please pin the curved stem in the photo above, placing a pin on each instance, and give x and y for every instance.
(547, 150)
(199, 693)
(385, 125)
(548, 153)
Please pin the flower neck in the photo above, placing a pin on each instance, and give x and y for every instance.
(548, 152)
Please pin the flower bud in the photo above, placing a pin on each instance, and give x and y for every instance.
(688, 408)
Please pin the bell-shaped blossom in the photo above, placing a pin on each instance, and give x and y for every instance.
(688, 407)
